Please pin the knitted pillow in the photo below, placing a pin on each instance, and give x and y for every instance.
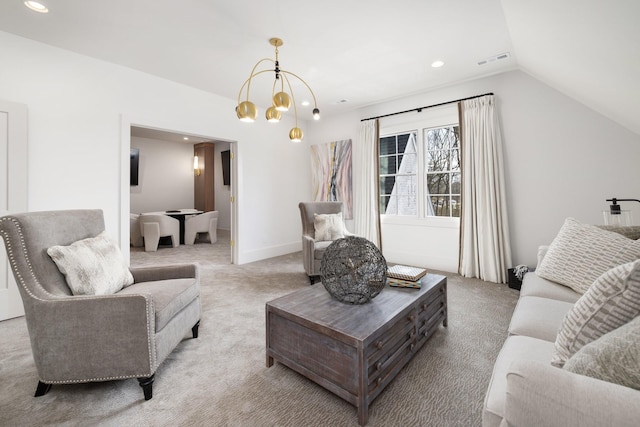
(328, 226)
(93, 266)
(612, 301)
(580, 253)
(614, 357)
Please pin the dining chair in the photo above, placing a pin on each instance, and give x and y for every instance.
(152, 227)
(206, 223)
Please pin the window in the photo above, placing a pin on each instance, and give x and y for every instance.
(398, 174)
(442, 171)
(433, 154)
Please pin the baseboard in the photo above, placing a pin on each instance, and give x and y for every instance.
(269, 252)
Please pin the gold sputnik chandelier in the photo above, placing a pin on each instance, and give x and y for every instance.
(247, 110)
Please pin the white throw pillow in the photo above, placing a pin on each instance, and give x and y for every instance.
(328, 226)
(580, 253)
(93, 266)
(612, 301)
(614, 357)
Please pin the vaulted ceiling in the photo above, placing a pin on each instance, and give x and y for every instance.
(357, 52)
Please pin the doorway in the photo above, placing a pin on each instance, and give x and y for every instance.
(138, 129)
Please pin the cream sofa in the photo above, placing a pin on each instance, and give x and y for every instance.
(526, 390)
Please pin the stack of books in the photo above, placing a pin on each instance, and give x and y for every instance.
(403, 276)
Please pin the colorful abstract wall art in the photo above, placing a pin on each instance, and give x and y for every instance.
(331, 174)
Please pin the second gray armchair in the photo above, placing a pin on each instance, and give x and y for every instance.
(312, 246)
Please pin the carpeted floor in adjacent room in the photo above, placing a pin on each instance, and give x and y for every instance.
(220, 379)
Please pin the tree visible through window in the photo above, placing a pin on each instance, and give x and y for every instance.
(403, 158)
(442, 168)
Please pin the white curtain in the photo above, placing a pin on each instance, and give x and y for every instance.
(485, 249)
(366, 198)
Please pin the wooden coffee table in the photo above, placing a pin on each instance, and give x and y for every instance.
(354, 351)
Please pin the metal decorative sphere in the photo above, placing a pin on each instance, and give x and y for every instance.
(353, 270)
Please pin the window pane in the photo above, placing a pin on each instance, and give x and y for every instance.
(455, 160)
(407, 205)
(455, 206)
(437, 160)
(409, 164)
(392, 206)
(388, 145)
(386, 184)
(438, 183)
(388, 165)
(402, 142)
(384, 202)
(455, 183)
(440, 205)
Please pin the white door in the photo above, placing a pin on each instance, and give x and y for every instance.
(13, 193)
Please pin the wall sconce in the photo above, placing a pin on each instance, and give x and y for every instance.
(616, 216)
(196, 166)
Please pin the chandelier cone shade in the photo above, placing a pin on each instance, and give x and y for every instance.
(282, 100)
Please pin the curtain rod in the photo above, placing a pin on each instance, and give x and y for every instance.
(428, 106)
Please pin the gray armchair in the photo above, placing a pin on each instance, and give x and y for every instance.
(88, 338)
(312, 249)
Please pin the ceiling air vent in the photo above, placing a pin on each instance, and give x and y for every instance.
(495, 58)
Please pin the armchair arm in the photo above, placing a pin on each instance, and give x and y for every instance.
(178, 271)
(543, 395)
(308, 249)
(93, 338)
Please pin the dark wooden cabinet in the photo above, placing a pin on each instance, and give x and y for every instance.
(204, 192)
(354, 351)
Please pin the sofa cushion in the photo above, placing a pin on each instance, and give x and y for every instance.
(580, 253)
(535, 286)
(169, 296)
(514, 348)
(319, 249)
(538, 317)
(328, 226)
(612, 301)
(92, 266)
(614, 357)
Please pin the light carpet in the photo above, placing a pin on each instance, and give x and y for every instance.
(220, 379)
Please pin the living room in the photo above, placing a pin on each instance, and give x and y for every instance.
(568, 144)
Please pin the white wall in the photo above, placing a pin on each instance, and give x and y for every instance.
(78, 107)
(561, 158)
(165, 177)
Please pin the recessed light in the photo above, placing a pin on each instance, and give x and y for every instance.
(36, 6)
(305, 103)
(437, 64)
(186, 138)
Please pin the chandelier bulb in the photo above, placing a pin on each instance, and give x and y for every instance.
(273, 115)
(247, 111)
(281, 101)
(316, 114)
(296, 135)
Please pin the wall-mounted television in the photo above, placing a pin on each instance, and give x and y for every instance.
(226, 167)
(135, 162)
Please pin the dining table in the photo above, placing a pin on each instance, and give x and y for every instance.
(180, 215)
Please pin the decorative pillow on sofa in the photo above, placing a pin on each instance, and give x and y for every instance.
(580, 253)
(614, 357)
(328, 226)
(612, 301)
(93, 266)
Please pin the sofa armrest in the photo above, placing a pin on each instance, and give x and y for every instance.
(101, 337)
(178, 271)
(308, 249)
(543, 395)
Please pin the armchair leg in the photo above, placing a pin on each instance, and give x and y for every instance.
(194, 330)
(147, 386)
(42, 389)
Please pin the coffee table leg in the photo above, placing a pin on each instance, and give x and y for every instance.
(363, 411)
